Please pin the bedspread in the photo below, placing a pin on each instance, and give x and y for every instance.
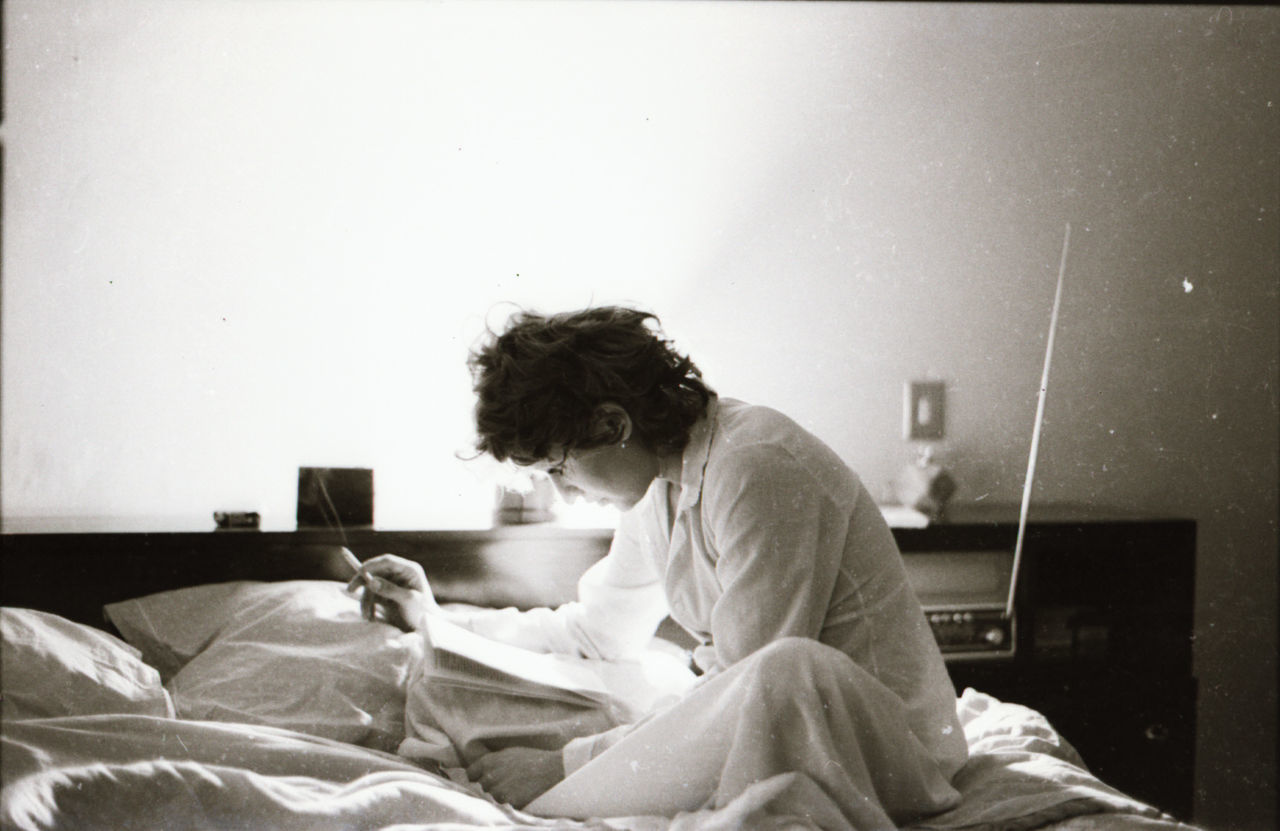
(132, 771)
(109, 771)
(90, 738)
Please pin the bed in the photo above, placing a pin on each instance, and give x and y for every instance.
(223, 702)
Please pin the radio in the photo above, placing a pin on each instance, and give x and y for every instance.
(978, 634)
(964, 598)
(968, 595)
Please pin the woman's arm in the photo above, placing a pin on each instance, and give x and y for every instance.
(620, 603)
(609, 620)
(779, 532)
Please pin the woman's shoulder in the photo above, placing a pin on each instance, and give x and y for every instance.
(754, 421)
(753, 436)
(742, 426)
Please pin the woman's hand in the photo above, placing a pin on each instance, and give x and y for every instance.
(517, 775)
(397, 588)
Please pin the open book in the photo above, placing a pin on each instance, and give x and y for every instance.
(630, 688)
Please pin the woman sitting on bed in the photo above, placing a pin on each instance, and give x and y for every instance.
(755, 537)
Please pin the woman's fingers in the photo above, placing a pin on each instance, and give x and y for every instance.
(517, 775)
(376, 591)
(387, 589)
(397, 570)
(393, 589)
(477, 769)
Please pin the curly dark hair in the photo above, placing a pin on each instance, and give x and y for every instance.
(538, 383)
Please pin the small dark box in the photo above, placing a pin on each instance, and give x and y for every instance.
(335, 497)
(237, 520)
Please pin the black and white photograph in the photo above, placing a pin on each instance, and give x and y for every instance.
(639, 415)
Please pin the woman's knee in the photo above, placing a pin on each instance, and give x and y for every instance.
(790, 656)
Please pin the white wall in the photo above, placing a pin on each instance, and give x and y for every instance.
(243, 237)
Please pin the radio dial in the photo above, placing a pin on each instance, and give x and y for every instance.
(994, 635)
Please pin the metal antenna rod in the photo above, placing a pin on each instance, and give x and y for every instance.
(1035, 432)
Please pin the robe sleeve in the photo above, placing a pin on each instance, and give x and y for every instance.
(779, 534)
(620, 603)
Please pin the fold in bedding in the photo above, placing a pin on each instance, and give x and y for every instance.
(90, 739)
(143, 772)
(129, 771)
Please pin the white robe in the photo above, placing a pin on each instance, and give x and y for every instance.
(774, 538)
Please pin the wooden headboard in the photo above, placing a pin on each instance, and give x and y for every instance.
(76, 574)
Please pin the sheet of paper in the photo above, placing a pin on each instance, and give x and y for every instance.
(558, 671)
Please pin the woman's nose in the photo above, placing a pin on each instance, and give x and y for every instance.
(567, 492)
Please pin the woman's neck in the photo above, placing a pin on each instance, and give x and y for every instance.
(669, 467)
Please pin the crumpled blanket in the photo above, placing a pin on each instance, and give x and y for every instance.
(1021, 774)
(115, 771)
(140, 772)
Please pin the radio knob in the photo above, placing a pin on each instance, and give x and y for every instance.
(994, 635)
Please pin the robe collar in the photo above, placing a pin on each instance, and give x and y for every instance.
(693, 462)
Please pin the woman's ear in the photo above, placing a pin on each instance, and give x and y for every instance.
(610, 424)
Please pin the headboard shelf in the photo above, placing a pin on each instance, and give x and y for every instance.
(75, 574)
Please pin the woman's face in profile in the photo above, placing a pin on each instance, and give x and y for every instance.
(614, 474)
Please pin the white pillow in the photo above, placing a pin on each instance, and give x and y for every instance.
(294, 654)
(54, 667)
(171, 628)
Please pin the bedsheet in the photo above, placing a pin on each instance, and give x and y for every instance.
(139, 771)
(129, 771)
(90, 738)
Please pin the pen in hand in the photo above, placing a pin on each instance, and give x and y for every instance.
(361, 578)
(351, 559)
(396, 584)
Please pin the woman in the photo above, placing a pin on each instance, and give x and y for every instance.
(755, 537)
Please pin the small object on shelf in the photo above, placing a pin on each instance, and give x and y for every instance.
(523, 506)
(904, 516)
(926, 485)
(237, 520)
